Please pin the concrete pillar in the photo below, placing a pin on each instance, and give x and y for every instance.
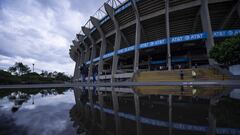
(170, 113)
(87, 53)
(87, 32)
(116, 110)
(77, 68)
(102, 113)
(238, 10)
(137, 111)
(90, 97)
(169, 62)
(77, 62)
(189, 59)
(228, 17)
(110, 11)
(96, 23)
(77, 94)
(81, 61)
(86, 49)
(82, 56)
(211, 122)
(81, 47)
(75, 72)
(137, 36)
(207, 27)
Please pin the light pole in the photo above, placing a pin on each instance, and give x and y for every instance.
(33, 67)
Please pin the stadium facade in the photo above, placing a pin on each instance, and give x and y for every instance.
(126, 36)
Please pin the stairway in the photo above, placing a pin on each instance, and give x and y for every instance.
(210, 74)
(161, 76)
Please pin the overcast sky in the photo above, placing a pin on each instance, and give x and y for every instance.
(41, 31)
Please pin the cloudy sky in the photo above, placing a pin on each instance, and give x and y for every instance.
(40, 31)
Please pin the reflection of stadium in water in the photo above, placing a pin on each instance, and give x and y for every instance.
(166, 114)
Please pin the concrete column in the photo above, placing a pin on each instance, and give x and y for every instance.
(78, 69)
(238, 10)
(137, 111)
(116, 110)
(81, 61)
(90, 97)
(228, 17)
(170, 113)
(82, 56)
(96, 23)
(190, 59)
(79, 45)
(75, 72)
(110, 11)
(207, 27)
(87, 32)
(137, 36)
(86, 48)
(211, 122)
(87, 53)
(77, 95)
(79, 64)
(169, 62)
(75, 69)
(102, 113)
(76, 52)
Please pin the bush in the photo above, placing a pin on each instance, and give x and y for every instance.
(227, 52)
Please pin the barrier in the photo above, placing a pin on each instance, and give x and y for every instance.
(173, 40)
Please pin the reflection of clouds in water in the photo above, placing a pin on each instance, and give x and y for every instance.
(47, 116)
(235, 94)
(5, 104)
(52, 100)
(8, 126)
(46, 120)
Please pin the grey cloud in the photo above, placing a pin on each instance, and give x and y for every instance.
(40, 30)
(86, 6)
(3, 52)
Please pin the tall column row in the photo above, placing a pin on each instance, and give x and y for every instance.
(205, 21)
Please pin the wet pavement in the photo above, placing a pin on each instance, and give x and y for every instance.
(82, 112)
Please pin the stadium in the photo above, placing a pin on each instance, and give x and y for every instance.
(130, 36)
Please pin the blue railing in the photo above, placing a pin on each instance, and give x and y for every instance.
(173, 40)
(174, 60)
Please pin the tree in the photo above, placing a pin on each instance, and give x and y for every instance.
(44, 73)
(12, 69)
(19, 69)
(50, 75)
(8, 78)
(227, 52)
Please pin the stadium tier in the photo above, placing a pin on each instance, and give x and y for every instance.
(126, 36)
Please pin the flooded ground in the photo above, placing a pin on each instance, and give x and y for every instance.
(70, 112)
(36, 112)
